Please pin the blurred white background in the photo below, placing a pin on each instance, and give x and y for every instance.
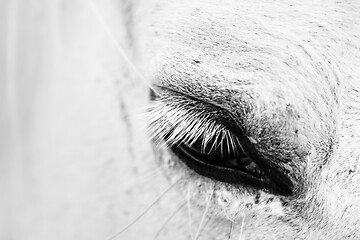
(68, 125)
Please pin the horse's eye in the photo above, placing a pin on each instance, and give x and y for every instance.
(226, 163)
(209, 141)
(232, 164)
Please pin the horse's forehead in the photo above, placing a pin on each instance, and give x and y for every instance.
(285, 50)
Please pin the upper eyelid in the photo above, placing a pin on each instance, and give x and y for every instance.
(248, 128)
(206, 113)
(181, 123)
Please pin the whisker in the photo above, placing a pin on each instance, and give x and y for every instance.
(145, 178)
(231, 229)
(139, 114)
(118, 47)
(242, 227)
(144, 212)
(169, 219)
(204, 214)
(189, 211)
(226, 215)
(205, 225)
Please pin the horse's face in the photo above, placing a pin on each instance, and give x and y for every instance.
(278, 79)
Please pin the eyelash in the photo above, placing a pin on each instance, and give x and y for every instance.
(174, 122)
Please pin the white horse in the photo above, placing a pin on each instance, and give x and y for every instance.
(253, 120)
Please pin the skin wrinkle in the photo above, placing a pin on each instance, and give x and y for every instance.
(277, 66)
